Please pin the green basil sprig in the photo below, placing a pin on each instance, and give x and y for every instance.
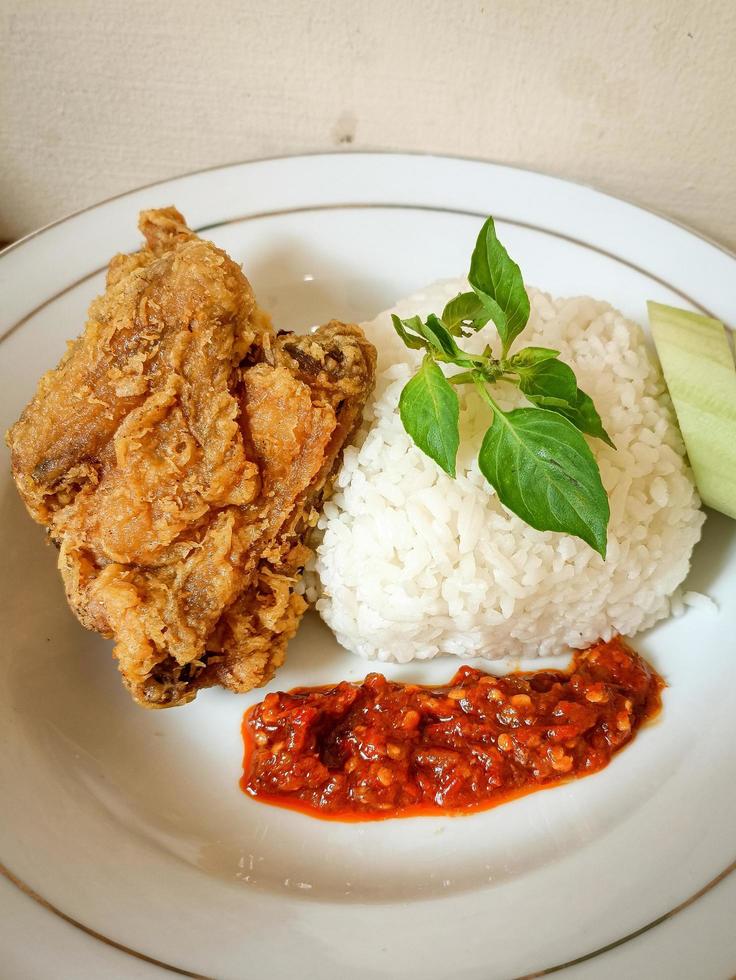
(535, 458)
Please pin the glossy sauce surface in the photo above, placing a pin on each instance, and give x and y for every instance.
(383, 749)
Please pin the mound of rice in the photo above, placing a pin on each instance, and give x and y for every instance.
(411, 563)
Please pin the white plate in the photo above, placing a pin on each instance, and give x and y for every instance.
(131, 823)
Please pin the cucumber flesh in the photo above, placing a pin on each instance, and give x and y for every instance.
(699, 370)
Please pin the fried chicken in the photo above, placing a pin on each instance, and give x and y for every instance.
(178, 455)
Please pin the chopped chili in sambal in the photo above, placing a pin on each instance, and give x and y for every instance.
(383, 749)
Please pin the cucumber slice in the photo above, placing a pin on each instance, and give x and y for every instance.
(700, 374)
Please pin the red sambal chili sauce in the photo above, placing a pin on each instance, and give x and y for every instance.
(382, 749)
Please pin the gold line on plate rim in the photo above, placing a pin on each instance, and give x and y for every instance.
(437, 209)
(44, 903)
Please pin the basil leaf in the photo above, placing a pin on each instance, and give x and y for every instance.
(465, 309)
(402, 328)
(439, 337)
(430, 412)
(530, 356)
(584, 416)
(544, 471)
(549, 382)
(496, 277)
(552, 384)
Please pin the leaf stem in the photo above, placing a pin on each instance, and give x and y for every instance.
(481, 384)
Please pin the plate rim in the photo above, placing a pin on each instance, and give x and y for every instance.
(269, 158)
(357, 206)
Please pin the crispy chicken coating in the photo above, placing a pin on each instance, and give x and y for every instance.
(178, 455)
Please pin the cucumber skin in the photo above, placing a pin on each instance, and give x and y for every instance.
(699, 370)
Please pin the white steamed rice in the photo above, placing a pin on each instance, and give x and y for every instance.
(411, 563)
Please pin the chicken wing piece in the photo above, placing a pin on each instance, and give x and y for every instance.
(178, 455)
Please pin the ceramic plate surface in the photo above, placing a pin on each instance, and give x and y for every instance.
(131, 823)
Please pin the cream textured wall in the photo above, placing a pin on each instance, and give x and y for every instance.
(633, 96)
